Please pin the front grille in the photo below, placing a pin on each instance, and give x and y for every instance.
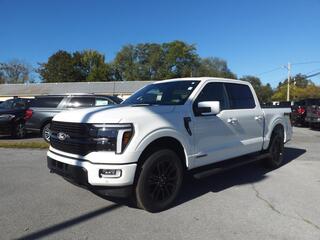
(72, 129)
(78, 140)
(71, 147)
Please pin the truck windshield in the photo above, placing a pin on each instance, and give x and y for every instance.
(167, 93)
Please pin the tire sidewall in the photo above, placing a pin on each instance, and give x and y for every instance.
(19, 130)
(277, 136)
(142, 198)
(46, 126)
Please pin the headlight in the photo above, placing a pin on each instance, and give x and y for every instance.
(112, 137)
(7, 117)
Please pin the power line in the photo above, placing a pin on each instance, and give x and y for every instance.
(272, 70)
(301, 63)
(313, 75)
(315, 70)
(278, 68)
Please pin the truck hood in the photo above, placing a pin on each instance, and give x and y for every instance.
(111, 114)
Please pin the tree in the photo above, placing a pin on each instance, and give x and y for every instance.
(62, 66)
(264, 92)
(14, 71)
(2, 78)
(151, 61)
(300, 88)
(124, 64)
(59, 68)
(90, 66)
(213, 67)
(180, 59)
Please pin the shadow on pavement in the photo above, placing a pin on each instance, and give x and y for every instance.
(246, 174)
(69, 223)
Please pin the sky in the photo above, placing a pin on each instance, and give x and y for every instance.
(253, 36)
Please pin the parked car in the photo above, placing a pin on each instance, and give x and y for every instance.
(44, 108)
(299, 113)
(13, 115)
(313, 113)
(144, 146)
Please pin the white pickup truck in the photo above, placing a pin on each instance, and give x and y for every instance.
(144, 146)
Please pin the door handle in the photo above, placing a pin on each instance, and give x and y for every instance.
(258, 118)
(232, 120)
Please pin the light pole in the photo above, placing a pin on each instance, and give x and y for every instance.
(288, 67)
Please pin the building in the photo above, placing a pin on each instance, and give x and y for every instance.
(122, 89)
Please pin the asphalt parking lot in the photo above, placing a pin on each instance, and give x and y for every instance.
(246, 203)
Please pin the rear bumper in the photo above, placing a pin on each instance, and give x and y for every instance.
(86, 174)
(313, 119)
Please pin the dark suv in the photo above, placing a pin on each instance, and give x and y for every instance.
(313, 113)
(44, 108)
(13, 114)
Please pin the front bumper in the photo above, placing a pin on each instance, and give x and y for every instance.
(6, 127)
(86, 174)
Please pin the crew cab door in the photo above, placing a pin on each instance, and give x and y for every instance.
(213, 137)
(237, 130)
(245, 117)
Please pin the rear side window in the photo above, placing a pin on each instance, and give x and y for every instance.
(46, 102)
(102, 102)
(81, 102)
(240, 96)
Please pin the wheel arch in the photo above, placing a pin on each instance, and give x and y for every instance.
(162, 142)
(45, 122)
(276, 120)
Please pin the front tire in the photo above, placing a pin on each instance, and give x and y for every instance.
(159, 181)
(276, 148)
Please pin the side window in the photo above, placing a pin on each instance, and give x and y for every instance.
(212, 92)
(81, 102)
(102, 102)
(240, 96)
(46, 102)
(20, 104)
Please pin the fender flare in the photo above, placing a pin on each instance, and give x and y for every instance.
(161, 133)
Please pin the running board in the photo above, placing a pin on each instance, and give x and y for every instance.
(226, 165)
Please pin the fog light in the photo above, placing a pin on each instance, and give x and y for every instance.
(110, 173)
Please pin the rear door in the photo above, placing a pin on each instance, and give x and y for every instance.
(245, 117)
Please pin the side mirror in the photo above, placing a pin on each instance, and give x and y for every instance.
(208, 108)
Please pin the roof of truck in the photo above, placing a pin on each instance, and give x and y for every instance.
(203, 79)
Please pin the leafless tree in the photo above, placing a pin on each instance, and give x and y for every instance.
(15, 71)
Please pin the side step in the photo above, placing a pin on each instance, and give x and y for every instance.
(226, 165)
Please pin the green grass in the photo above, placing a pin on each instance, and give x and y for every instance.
(28, 144)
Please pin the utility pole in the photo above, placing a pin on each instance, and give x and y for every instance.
(288, 67)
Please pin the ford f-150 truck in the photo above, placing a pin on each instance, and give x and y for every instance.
(144, 146)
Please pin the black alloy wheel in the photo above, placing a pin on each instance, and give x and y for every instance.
(159, 181)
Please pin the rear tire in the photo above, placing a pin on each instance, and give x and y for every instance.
(159, 181)
(46, 132)
(275, 150)
(19, 131)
